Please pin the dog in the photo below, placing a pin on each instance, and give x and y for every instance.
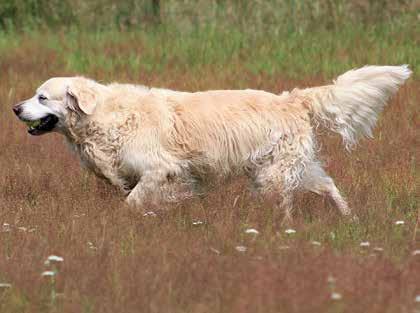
(159, 144)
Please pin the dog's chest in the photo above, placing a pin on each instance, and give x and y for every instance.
(99, 151)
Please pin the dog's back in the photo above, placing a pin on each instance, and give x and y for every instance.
(226, 128)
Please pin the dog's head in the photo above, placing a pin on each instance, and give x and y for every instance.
(49, 108)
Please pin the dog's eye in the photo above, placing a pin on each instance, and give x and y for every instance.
(42, 98)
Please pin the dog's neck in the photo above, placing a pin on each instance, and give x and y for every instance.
(76, 127)
(92, 143)
(92, 140)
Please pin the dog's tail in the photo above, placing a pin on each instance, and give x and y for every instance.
(351, 105)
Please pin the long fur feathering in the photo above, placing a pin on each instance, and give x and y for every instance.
(162, 144)
(352, 104)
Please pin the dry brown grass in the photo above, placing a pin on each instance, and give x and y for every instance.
(116, 260)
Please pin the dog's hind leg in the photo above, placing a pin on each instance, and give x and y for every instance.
(317, 180)
(270, 183)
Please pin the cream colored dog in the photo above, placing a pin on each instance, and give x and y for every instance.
(159, 144)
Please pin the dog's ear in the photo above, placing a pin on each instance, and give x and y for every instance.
(82, 96)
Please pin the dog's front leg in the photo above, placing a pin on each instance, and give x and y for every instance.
(157, 187)
(102, 170)
(147, 189)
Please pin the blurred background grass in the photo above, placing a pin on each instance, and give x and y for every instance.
(273, 37)
(278, 15)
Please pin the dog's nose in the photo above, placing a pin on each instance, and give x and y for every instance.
(17, 109)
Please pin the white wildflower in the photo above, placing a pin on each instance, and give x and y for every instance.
(399, 223)
(336, 296)
(365, 244)
(417, 299)
(55, 258)
(416, 252)
(150, 213)
(48, 273)
(197, 223)
(5, 285)
(22, 228)
(315, 243)
(378, 249)
(290, 231)
(241, 248)
(252, 231)
(91, 245)
(6, 227)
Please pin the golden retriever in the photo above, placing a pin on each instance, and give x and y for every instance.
(158, 144)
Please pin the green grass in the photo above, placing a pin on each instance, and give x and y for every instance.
(272, 50)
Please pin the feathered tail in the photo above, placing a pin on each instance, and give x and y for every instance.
(352, 104)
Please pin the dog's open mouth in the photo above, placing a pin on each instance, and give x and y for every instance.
(43, 125)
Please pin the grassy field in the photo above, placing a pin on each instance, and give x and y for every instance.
(197, 256)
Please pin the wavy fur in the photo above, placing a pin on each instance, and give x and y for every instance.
(157, 144)
(352, 104)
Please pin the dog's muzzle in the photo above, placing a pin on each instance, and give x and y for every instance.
(42, 125)
(37, 127)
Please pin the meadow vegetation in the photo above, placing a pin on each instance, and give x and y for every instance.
(190, 257)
